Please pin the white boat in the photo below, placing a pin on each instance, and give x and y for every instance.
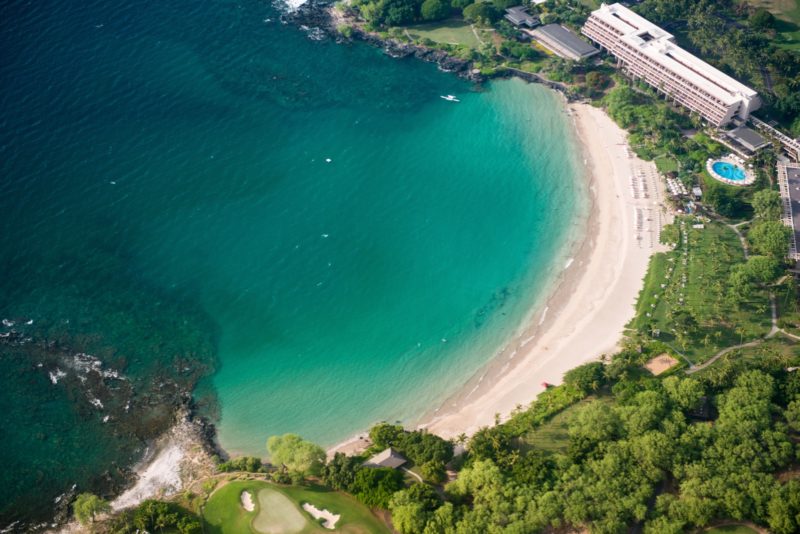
(450, 98)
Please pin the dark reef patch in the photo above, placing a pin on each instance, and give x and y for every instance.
(94, 364)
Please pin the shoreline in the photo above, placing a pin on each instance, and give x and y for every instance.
(582, 315)
(585, 313)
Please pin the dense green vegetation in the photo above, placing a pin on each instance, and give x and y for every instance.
(636, 457)
(87, 507)
(152, 516)
(297, 457)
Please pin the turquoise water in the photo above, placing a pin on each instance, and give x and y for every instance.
(728, 171)
(167, 206)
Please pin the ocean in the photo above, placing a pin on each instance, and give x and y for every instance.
(302, 231)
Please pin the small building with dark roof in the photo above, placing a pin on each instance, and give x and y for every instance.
(563, 42)
(703, 411)
(748, 138)
(519, 16)
(387, 458)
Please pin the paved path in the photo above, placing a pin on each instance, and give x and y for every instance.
(772, 332)
(477, 36)
(735, 228)
(412, 473)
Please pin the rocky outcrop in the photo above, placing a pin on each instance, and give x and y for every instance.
(321, 16)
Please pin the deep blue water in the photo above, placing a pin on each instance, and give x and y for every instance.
(167, 206)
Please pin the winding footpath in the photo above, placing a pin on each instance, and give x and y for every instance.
(775, 330)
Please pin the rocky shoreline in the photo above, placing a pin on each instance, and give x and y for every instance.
(323, 17)
(129, 413)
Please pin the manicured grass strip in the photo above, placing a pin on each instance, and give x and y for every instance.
(553, 435)
(692, 281)
(277, 514)
(356, 518)
(455, 32)
(666, 164)
(223, 512)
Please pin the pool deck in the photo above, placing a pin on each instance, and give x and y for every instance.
(749, 178)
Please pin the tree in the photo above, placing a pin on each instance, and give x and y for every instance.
(189, 525)
(505, 4)
(586, 378)
(767, 205)
(461, 4)
(154, 515)
(422, 447)
(435, 9)
(297, 455)
(481, 12)
(770, 238)
(412, 508)
(251, 464)
(740, 286)
(483, 476)
(433, 472)
(784, 508)
(792, 414)
(596, 81)
(761, 19)
(340, 472)
(385, 435)
(374, 486)
(398, 12)
(762, 269)
(591, 425)
(87, 506)
(489, 443)
(684, 392)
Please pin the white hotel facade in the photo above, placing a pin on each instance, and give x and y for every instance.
(649, 53)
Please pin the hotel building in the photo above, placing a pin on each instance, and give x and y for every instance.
(649, 53)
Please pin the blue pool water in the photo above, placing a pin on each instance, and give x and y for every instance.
(728, 170)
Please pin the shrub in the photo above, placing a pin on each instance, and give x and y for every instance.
(482, 12)
(435, 9)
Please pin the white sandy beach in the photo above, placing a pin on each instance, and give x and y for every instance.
(585, 315)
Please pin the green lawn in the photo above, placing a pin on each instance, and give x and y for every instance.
(692, 281)
(223, 512)
(553, 436)
(454, 31)
(666, 164)
(787, 25)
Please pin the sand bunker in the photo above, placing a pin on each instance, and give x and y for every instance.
(247, 501)
(330, 519)
(277, 514)
(660, 363)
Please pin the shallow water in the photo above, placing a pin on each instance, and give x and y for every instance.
(195, 184)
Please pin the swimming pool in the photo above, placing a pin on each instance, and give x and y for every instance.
(729, 171)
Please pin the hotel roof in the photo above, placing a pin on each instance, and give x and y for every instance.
(790, 192)
(747, 137)
(569, 42)
(659, 45)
